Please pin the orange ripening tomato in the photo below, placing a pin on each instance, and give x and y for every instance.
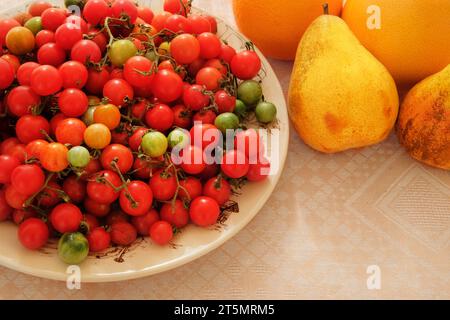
(97, 136)
(35, 148)
(54, 157)
(107, 114)
(20, 40)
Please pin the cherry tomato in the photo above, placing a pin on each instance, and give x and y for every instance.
(66, 217)
(14, 198)
(12, 60)
(118, 91)
(194, 97)
(99, 39)
(86, 51)
(245, 65)
(52, 18)
(5, 210)
(210, 45)
(177, 7)
(98, 238)
(46, 80)
(160, 117)
(213, 23)
(144, 222)
(73, 102)
(199, 24)
(259, 171)
(28, 179)
(51, 54)
(219, 189)
(250, 143)
(195, 67)
(167, 86)
(35, 148)
(227, 53)
(191, 188)
(49, 197)
(54, 157)
(204, 135)
(102, 187)
(119, 154)
(161, 232)
(235, 164)
(209, 77)
(163, 184)
(136, 138)
(67, 35)
(5, 26)
(7, 166)
(97, 209)
(36, 8)
(136, 199)
(176, 214)
(139, 109)
(178, 24)
(95, 11)
(55, 121)
(6, 74)
(70, 131)
(117, 216)
(205, 117)
(107, 114)
(137, 71)
(225, 101)
(91, 222)
(30, 128)
(7, 144)
(97, 80)
(20, 40)
(182, 116)
(77, 22)
(24, 72)
(21, 100)
(33, 233)
(19, 152)
(74, 74)
(75, 188)
(97, 136)
(204, 211)
(124, 8)
(141, 169)
(44, 37)
(145, 13)
(19, 216)
(192, 160)
(123, 233)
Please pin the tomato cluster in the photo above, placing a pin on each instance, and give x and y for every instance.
(91, 108)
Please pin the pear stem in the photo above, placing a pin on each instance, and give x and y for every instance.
(325, 8)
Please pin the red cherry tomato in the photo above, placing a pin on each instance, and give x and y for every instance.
(204, 211)
(67, 35)
(209, 77)
(6, 74)
(144, 222)
(235, 164)
(190, 188)
(123, 233)
(74, 74)
(86, 51)
(30, 128)
(227, 53)
(195, 98)
(5, 210)
(97, 80)
(14, 198)
(245, 65)
(35, 148)
(70, 131)
(46, 80)
(160, 19)
(167, 86)
(54, 157)
(160, 117)
(52, 18)
(259, 171)
(44, 37)
(177, 7)
(98, 238)
(118, 154)
(33, 233)
(250, 143)
(66, 217)
(49, 197)
(28, 179)
(199, 24)
(73, 102)
(210, 45)
(95, 11)
(176, 214)
(193, 161)
(185, 49)
(24, 72)
(75, 188)
(97, 209)
(137, 71)
(161, 232)
(178, 24)
(102, 187)
(219, 189)
(146, 14)
(136, 199)
(118, 91)
(225, 101)
(182, 116)
(7, 166)
(21, 100)
(124, 8)
(38, 7)
(136, 138)
(205, 117)
(163, 184)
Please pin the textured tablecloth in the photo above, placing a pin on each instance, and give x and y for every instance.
(331, 219)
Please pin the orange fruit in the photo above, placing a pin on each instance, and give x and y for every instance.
(275, 26)
(20, 40)
(413, 36)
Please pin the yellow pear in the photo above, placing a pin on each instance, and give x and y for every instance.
(340, 97)
(424, 121)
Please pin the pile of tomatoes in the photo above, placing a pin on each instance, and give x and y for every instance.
(92, 106)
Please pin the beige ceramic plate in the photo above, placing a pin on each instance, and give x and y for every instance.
(144, 258)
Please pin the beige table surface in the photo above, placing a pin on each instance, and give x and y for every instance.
(329, 219)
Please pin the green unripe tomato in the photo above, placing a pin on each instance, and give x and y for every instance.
(265, 112)
(121, 51)
(88, 116)
(73, 248)
(178, 138)
(250, 92)
(154, 144)
(226, 121)
(240, 109)
(78, 157)
(34, 25)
